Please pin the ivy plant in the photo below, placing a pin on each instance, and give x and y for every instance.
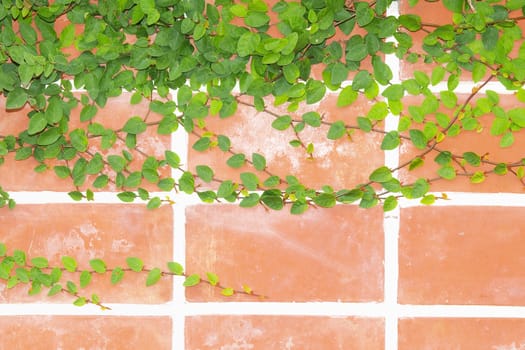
(193, 61)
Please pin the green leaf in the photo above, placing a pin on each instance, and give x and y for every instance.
(259, 162)
(153, 276)
(117, 275)
(250, 181)
(23, 153)
(79, 140)
(325, 200)
(515, 4)
(127, 196)
(205, 173)
(212, 278)
(49, 136)
(88, 112)
(226, 189)
(250, 201)
(40, 262)
(37, 123)
(187, 183)
(62, 171)
(16, 99)
(135, 125)
(175, 268)
(477, 177)
(501, 169)
(364, 124)
(394, 92)
(227, 292)
(447, 172)
(81, 301)
(346, 97)
(418, 138)
(76, 195)
(247, 44)
(192, 280)
(57, 288)
(256, 19)
(117, 163)
(378, 111)
(390, 141)
(472, 158)
(382, 71)
(517, 115)
(449, 99)
(224, 143)
(382, 174)
(154, 203)
(410, 22)
(272, 199)
(438, 73)
(172, 159)
(135, 264)
(85, 279)
(282, 122)
(20, 257)
(337, 130)
(507, 140)
(69, 263)
(202, 144)
(67, 36)
(236, 161)
(364, 14)
(312, 118)
(298, 207)
(390, 203)
(454, 5)
(98, 265)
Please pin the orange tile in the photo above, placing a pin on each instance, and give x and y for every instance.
(19, 175)
(340, 163)
(283, 332)
(92, 332)
(431, 12)
(475, 333)
(482, 143)
(323, 255)
(462, 255)
(88, 231)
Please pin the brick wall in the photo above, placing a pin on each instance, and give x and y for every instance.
(449, 276)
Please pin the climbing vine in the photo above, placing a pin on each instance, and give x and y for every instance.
(193, 62)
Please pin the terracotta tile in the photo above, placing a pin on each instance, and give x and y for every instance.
(322, 255)
(283, 332)
(462, 255)
(482, 143)
(88, 231)
(71, 332)
(433, 12)
(340, 163)
(19, 175)
(475, 333)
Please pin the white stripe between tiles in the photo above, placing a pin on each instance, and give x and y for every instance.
(179, 145)
(472, 199)
(391, 221)
(326, 309)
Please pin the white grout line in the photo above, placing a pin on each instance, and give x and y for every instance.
(327, 309)
(391, 221)
(179, 145)
(471, 199)
(50, 197)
